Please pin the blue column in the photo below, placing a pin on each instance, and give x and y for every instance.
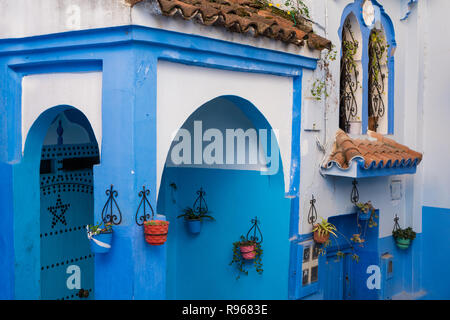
(132, 269)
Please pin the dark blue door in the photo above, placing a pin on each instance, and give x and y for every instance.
(66, 191)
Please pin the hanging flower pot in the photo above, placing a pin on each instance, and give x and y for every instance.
(194, 217)
(403, 243)
(156, 231)
(194, 225)
(365, 211)
(100, 238)
(248, 251)
(403, 237)
(322, 231)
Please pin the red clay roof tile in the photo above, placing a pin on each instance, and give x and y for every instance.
(380, 153)
(245, 16)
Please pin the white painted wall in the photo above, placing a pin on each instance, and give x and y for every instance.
(176, 101)
(26, 18)
(80, 90)
(333, 193)
(421, 94)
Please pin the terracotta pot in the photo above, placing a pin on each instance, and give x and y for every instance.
(156, 234)
(321, 238)
(248, 252)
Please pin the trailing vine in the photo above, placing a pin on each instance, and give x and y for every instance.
(240, 261)
(319, 87)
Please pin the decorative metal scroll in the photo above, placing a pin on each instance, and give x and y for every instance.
(377, 49)
(354, 195)
(348, 106)
(312, 214)
(140, 219)
(255, 228)
(108, 215)
(200, 207)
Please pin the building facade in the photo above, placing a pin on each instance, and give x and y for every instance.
(127, 111)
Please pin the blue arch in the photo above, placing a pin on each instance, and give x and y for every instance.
(259, 121)
(27, 204)
(388, 26)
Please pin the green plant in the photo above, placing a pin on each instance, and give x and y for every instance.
(240, 261)
(319, 87)
(407, 233)
(100, 227)
(324, 227)
(190, 214)
(366, 208)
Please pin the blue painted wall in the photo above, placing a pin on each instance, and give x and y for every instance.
(198, 265)
(128, 155)
(436, 252)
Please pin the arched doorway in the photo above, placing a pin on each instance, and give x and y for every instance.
(237, 189)
(60, 153)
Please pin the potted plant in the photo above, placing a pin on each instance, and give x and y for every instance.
(100, 236)
(403, 237)
(247, 250)
(156, 231)
(194, 220)
(322, 231)
(366, 211)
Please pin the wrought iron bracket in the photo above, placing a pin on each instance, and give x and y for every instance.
(108, 215)
(200, 207)
(141, 219)
(312, 214)
(354, 195)
(255, 228)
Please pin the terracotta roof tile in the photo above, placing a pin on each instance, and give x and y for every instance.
(380, 153)
(244, 16)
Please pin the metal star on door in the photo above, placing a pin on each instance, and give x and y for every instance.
(58, 211)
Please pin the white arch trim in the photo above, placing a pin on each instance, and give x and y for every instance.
(81, 90)
(181, 89)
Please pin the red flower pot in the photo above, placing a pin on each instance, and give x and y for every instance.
(321, 238)
(248, 252)
(156, 232)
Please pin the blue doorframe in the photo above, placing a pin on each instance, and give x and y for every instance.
(129, 137)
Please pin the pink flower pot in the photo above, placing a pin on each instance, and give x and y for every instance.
(248, 252)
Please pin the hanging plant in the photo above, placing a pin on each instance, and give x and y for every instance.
(403, 237)
(100, 236)
(322, 232)
(194, 217)
(245, 250)
(366, 213)
(248, 248)
(155, 231)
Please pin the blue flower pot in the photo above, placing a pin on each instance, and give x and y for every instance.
(194, 226)
(104, 240)
(363, 216)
